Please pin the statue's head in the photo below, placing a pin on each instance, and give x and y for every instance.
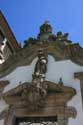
(42, 56)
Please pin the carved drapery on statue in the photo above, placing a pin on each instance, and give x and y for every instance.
(39, 78)
(41, 65)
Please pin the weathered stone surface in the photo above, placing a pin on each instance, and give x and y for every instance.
(79, 76)
(26, 55)
(41, 97)
(23, 106)
(3, 84)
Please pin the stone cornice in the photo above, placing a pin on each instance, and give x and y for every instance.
(79, 75)
(26, 55)
(55, 89)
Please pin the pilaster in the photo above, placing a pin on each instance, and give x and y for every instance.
(80, 77)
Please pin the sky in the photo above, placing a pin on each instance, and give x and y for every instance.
(26, 16)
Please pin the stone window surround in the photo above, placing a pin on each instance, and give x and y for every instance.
(79, 75)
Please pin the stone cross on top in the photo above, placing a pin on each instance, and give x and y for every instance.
(46, 22)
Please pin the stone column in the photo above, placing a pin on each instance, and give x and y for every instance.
(80, 77)
(10, 118)
(62, 120)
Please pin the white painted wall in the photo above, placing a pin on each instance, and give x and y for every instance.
(64, 69)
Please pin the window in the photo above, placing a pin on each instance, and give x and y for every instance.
(1, 36)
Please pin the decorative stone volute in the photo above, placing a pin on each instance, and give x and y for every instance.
(3, 84)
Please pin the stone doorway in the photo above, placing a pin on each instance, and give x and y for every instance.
(36, 121)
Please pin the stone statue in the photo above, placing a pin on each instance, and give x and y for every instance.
(40, 69)
(60, 81)
(41, 65)
(39, 78)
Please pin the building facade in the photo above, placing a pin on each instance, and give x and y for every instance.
(8, 43)
(42, 83)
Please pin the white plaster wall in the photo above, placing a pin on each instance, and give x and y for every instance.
(20, 75)
(64, 69)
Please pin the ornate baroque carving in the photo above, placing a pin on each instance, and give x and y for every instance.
(40, 97)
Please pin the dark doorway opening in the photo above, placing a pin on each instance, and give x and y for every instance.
(36, 120)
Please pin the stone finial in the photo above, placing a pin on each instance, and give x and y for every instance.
(46, 22)
(45, 28)
(60, 81)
